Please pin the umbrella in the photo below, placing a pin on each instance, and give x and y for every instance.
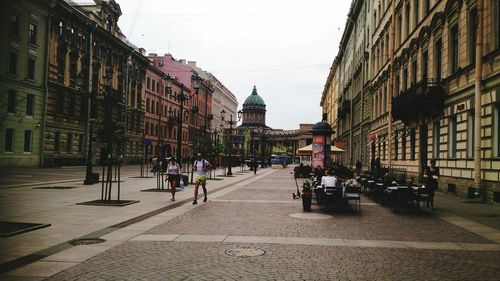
(307, 150)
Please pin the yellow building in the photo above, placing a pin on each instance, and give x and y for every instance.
(423, 88)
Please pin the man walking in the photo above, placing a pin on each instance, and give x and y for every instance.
(200, 167)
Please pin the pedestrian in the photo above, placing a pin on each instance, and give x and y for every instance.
(173, 175)
(200, 167)
(358, 167)
(378, 167)
(431, 176)
(329, 180)
(154, 165)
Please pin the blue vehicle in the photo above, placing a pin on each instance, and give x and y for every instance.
(279, 160)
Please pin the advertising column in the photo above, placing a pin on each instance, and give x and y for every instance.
(318, 151)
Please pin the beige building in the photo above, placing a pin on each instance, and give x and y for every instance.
(423, 88)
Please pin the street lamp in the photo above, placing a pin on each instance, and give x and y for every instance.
(181, 98)
(231, 123)
(89, 178)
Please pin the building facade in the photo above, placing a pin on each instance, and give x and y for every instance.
(95, 94)
(423, 88)
(23, 90)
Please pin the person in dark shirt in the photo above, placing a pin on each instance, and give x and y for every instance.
(431, 176)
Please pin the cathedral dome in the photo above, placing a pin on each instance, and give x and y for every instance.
(254, 99)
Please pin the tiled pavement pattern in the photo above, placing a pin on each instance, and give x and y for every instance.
(208, 261)
(196, 241)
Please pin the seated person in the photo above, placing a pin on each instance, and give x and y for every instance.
(329, 180)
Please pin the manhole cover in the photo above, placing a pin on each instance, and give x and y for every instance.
(55, 187)
(86, 241)
(311, 216)
(245, 252)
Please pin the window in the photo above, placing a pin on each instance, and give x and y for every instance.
(57, 141)
(414, 72)
(33, 34)
(14, 25)
(407, 19)
(72, 105)
(496, 130)
(425, 66)
(28, 141)
(69, 143)
(31, 68)
(11, 102)
(148, 83)
(61, 30)
(405, 79)
(396, 86)
(403, 145)
(13, 63)
(412, 144)
(415, 12)
(60, 104)
(427, 5)
(153, 85)
(81, 143)
(436, 135)
(109, 25)
(453, 48)
(9, 140)
(438, 57)
(83, 108)
(147, 105)
(30, 105)
(496, 10)
(383, 147)
(470, 134)
(396, 145)
(452, 137)
(472, 34)
(400, 29)
(158, 87)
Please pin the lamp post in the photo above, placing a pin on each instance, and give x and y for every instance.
(89, 179)
(181, 98)
(231, 123)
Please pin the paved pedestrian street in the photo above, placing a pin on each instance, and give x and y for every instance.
(254, 230)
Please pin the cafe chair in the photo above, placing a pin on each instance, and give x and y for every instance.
(353, 193)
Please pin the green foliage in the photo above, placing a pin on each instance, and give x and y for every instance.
(306, 186)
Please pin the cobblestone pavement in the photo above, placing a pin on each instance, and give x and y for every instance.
(199, 243)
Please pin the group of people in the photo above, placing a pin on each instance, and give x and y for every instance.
(431, 176)
(200, 169)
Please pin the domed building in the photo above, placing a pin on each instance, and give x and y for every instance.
(254, 111)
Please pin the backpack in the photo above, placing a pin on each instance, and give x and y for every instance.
(202, 161)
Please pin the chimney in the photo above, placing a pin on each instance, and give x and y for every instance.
(192, 63)
(152, 55)
(142, 51)
(324, 117)
(183, 61)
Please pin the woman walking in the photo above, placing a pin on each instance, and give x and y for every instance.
(173, 175)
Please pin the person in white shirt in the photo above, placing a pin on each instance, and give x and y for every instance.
(329, 180)
(200, 167)
(173, 175)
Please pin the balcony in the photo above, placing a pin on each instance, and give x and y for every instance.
(422, 101)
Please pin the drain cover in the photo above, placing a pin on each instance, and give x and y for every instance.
(245, 252)
(86, 241)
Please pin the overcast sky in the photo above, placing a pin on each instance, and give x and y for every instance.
(284, 47)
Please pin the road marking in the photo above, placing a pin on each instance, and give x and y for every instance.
(320, 242)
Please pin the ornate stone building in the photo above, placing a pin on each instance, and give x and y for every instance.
(95, 85)
(425, 90)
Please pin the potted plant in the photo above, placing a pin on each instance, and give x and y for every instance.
(306, 196)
